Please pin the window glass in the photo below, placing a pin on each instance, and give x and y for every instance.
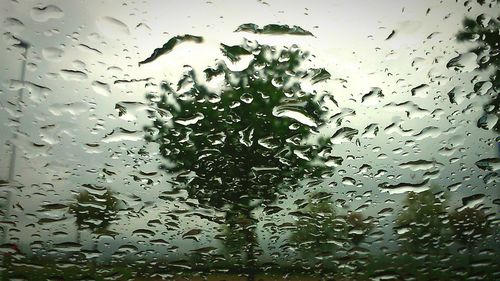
(249, 140)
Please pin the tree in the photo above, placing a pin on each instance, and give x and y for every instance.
(485, 33)
(423, 233)
(422, 226)
(238, 148)
(233, 240)
(94, 210)
(358, 228)
(320, 232)
(469, 226)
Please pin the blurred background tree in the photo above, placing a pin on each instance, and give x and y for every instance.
(358, 230)
(321, 233)
(423, 234)
(94, 211)
(422, 226)
(470, 226)
(233, 239)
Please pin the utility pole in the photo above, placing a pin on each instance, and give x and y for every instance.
(12, 164)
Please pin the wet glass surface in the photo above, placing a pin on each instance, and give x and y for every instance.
(249, 140)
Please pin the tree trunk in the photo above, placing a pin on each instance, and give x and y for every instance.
(93, 261)
(78, 236)
(250, 237)
(470, 250)
(79, 241)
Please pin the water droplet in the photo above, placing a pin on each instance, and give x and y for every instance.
(46, 13)
(420, 91)
(73, 75)
(463, 62)
(418, 165)
(101, 88)
(74, 108)
(121, 134)
(52, 54)
(294, 113)
(405, 187)
(246, 136)
(246, 98)
(344, 134)
(112, 27)
(489, 164)
(13, 25)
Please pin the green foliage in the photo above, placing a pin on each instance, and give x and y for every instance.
(469, 226)
(247, 141)
(320, 232)
(94, 211)
(358, 228)
(422, 225)
(485, 33)
(234, 53)
(234, 236)
(273, 29)
(46, 268)
(240, 146)
(323, 235)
